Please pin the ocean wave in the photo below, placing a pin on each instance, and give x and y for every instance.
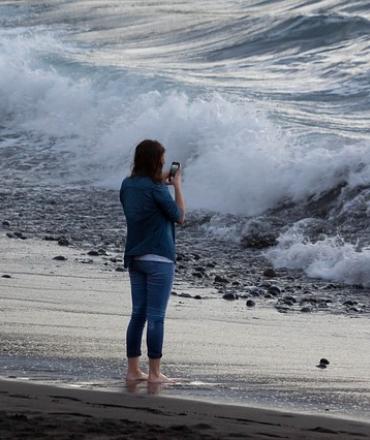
(330, 258)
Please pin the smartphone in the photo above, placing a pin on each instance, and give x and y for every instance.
(175, 166)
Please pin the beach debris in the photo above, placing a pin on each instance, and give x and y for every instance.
(6, 276)
(230, 296)
(323, 363)
(269, 273)
(60, 258)
(62, 241)
(250, 303)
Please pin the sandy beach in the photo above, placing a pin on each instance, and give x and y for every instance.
(240, 372)
(38, 411)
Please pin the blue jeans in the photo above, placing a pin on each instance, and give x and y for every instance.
(151, 284)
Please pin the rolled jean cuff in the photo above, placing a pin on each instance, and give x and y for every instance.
(133, 355)
(154, 355)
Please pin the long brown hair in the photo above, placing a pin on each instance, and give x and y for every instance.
(147, 160)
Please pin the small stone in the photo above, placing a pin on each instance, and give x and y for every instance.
(256, 291)
(87, 261)
(235, 283)
(9, 235)
(219, 279)
(49, 238)
(93, 253)
(197, 297)
(60, 258)
(185, 295)
(174, 293)
(5, 276)
(230, 296)
(113, 259)
(102, 251)
(306, 309)
(350, 303)
(120, 269)
(274, 290)
(323, 363)
(62, 241)
(197, 274)
(6, 223)
(269, 273)
(250, 303)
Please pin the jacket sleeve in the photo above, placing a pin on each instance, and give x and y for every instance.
(166, 203)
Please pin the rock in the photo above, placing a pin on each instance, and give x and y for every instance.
(306, 309)
(258, 234)
(197, 297)
(86, 261)
(256, 291)
(49, 238)
(9, 235)
(274, 290)
(250, 303)
(323, 363)
(185, 295)
(120, 269)
(113, 259)
(268, 295)
(60, 258)
(219, 279)
(350, 303)
(102, 251)
(62, 241)
(200, 269)
(6, 276)
(235, 283)
(5, 223)
(289, 299)
(269, 273)
(93, 253)
(174, 293)
(20, 235)
(197, 274)
(230, 296)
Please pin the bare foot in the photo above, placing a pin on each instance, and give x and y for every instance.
(160, 379)
(139, 375)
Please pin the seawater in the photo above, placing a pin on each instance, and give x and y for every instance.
(264, 103)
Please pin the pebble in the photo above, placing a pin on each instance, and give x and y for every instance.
(120, 269)
(269, 273)
(197, 297)
(5, 276)
(230, 296)
(185, 295)
(5, 223)
(323, 363)
(219, 279)
(274, 290)
(306, 309)
(250, 303)
(62, 241)
(60, 258)
(350, 303)
(93, 253)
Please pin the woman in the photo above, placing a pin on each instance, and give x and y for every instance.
(151, 214)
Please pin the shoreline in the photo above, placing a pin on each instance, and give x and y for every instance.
(64, 321)
(61, 411)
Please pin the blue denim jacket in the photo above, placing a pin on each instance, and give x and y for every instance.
(150, 213)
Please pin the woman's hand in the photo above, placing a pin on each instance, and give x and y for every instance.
(176, 179)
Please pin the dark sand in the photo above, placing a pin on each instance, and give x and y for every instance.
(33, 411)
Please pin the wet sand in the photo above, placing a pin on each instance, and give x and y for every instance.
(29, 411)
